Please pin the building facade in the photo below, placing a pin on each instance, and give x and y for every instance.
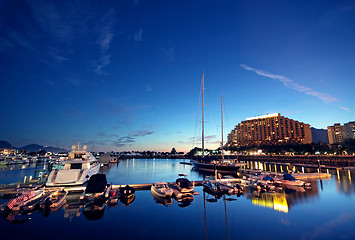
(270, 129)
(349, 129)
(336, 133)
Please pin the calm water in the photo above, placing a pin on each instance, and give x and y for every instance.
(327, 211)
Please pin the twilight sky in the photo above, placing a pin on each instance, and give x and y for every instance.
(126, 75)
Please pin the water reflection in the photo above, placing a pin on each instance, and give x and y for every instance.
(225, 217)
(72, 208)
(165, 201)
(94, 209)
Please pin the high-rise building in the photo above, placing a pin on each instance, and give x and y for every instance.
(336, 133)
(270, 129)
(349, 129)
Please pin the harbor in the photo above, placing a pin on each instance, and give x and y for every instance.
(142, 173)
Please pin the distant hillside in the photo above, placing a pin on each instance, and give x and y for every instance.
(319, 135)
(32, 147)
(4, 144)
(36, 148)
(54, 149)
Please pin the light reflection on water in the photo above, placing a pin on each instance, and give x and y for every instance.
(326, 211)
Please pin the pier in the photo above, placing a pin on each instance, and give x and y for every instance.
(324, 160)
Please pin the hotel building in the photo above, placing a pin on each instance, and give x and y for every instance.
(270, 129)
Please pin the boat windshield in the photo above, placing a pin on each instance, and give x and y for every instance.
(75, 166)
(58, 166)
(79, 155)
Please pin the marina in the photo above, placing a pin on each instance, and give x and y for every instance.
(281, 204)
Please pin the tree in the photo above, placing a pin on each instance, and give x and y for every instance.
(173, 151)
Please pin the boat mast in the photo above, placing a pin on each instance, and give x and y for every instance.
(203, 113)
(222, 126)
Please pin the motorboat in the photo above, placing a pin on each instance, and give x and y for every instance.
(75, 170)
(184, 185)
(161, 189)
(25, 198)
(113, 198)
(211, 187)
(34, 202)
(230, 187)
(289, 181)
(97, 187)
(127, 194)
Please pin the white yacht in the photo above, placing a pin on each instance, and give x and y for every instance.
(76, 169)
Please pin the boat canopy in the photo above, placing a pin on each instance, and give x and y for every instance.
(289, 177)
(183, 183)
(268, 178)
(97, 184)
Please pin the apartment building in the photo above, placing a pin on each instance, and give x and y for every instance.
(349, 129)
(336, 133)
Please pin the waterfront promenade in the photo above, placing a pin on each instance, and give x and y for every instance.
(328, 160)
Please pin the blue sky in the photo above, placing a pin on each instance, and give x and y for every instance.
(126, 75)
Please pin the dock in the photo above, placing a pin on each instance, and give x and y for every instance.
(18, 187)
(299, 176)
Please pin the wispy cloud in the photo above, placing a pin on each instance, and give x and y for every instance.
(142, 133)
(169, 53)
(345, 108)
(138, 35)
(105, 36)
(292, 84)
(117, 140)
(131, 137)
(106, 30)
(148, 88)
(101, 63)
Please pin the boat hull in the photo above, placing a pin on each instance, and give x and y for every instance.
(161, 193)
(221, 168)
(84, 177)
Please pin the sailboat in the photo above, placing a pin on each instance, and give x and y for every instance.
(222, 166)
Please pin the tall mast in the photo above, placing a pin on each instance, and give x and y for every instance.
(222, 126)
(203, 115)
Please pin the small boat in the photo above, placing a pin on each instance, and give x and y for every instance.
(161, 189)
(184, 185)
(34, 203)
(289, 181)
(97, 188)
(25, 198)
(127, 194)
(212, 188)
(113, 198)
(230, 187)
(115, 159)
